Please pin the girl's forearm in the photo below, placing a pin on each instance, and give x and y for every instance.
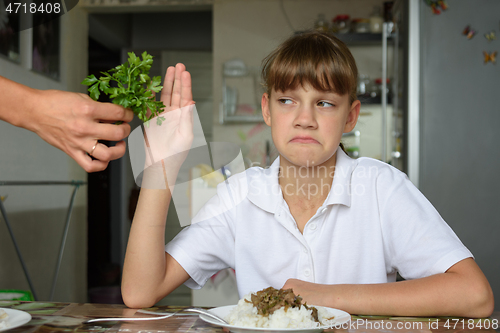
(437, 295)
(144, 268)
(462, 291)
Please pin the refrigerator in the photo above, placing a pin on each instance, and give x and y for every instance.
(446, 116)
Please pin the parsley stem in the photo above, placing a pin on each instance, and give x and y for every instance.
(129, 75)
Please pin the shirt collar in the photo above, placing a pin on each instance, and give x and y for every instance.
(340, 192)
(264, 190)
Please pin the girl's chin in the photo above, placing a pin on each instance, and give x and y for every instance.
(304, 161)
(307, 156)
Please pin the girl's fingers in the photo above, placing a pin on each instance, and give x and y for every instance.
(186, 91)
(186, 124)
(176, 91)
(166, 93)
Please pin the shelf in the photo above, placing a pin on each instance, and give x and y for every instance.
(373, 100)
(135, 6)
(243, 119)
(361, 39)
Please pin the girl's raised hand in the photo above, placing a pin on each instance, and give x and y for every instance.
(177, 92)
(171, 141)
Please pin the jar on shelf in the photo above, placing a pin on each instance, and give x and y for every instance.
(376, 21)
(363, 85)
(321, 24)
(372, 89)
(387, 11)
(378, 83)
(360, 25)
(341, 24)
(388, 16)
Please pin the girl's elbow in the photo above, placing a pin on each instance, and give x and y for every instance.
(136, 303)
(488, 305)
(483, 303)
(136, 300)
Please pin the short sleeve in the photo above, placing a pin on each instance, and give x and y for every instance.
(206, 246)
(418, 241)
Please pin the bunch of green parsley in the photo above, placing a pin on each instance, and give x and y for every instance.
(135, 87)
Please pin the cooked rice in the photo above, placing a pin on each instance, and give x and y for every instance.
(245, 315)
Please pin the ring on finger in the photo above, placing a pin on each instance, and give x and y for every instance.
(93, 148)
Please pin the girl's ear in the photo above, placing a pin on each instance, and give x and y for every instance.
(266, 112)
(352, 117)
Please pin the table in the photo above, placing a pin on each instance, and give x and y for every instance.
(68, 317)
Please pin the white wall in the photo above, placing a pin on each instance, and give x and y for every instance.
(35, 212)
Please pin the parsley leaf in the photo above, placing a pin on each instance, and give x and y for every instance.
(134, 86)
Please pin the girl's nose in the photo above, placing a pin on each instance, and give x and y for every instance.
(305, 118)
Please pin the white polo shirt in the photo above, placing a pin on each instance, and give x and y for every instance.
(374, 223)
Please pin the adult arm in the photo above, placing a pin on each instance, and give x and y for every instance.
(71, 122)
(462, 290)
(149, 273)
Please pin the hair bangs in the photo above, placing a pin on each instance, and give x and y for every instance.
(319, 60)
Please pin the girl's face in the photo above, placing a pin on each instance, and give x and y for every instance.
(307, 124)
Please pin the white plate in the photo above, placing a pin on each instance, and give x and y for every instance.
(15, 318)
(341, 317)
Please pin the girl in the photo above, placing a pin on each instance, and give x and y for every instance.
(336, 230)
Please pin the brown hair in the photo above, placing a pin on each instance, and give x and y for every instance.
(313, 57)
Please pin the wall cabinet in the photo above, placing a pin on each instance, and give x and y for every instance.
(241, 94)
(380, 123)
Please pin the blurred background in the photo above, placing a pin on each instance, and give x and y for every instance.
(428, 87)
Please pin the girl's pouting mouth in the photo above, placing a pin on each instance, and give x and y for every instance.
(304, 139)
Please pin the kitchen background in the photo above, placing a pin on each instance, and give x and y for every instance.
(222, 43)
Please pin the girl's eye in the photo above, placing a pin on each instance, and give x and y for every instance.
(325, 104)
(285, 101)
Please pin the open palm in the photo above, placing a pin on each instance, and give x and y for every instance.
(170, 142)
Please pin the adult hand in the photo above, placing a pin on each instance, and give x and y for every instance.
(73, 122)
(69, 121)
